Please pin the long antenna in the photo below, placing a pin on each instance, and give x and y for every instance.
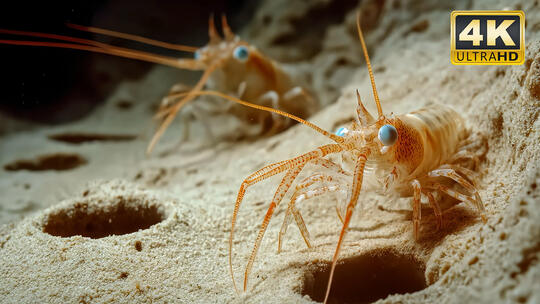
(141, 39)
(333, 137)
(368, 63)
(169, 61)
(98, 47)
(56, 37)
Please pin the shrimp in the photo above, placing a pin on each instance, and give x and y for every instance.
(229, 64)
(412, 155)
(234, 67)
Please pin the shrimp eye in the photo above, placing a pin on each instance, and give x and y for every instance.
(388, 135)
(241, 53)
(342, 131)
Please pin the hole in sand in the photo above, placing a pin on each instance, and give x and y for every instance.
(78, 138)
(366, 278)
(96, 221)
(58, 162)
(420, 26)
(124, 104)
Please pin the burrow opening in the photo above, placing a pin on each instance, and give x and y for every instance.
(367, 278)
(97, 222)
(57, 162)
(79, 138)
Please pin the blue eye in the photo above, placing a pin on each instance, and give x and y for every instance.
(342, 131)
(241, 53)
(197, 55)
(388, 135)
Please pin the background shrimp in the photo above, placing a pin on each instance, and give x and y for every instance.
(234, 67)
(229, 65)
(411, 155)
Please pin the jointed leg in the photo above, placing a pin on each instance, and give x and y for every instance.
(435, 206)
(330, 165)
(459, 196)
(475, 142)
(173, 92)
(278, 196)
(292, 210)
(271, 98)
(298, 97)
(254, 178)
(241, 90)
(471, 175)
(338, 169)
(390, 178)
(170, 112)
(269, 171)
(356, 187)
(300, 196)
(475, 201)
(462, 155)
(417, 210)
(307, 195)
(298, 92)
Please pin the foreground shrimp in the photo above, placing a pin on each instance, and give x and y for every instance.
(410, 155)
(230, 65)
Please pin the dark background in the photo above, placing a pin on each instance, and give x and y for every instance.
(52, 86)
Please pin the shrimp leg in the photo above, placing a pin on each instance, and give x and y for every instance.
(475, 201)
(318, 177)
(328, 164)
(435, 206)
(417, 210)
(297, 197)
(298, 94)
(269, 171)
(292, 210)
(449, 171)
(271, 99)
(285, 184)
(356, 187)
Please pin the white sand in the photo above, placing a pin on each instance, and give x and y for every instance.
(184, 258)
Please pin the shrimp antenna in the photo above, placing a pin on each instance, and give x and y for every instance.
(334, 137)
(368, 63)
(98, 47)
(126, 36)
(56, 37)
(126, 54)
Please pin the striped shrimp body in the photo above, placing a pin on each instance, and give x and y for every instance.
(421, 161)
(411, 155)
(427, 139)
(229, 64)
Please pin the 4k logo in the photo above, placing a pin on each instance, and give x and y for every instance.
(487, 37)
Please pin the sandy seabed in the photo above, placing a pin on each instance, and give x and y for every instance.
(170, 213)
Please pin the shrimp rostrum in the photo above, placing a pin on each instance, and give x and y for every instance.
(229, 64)
(413, 155)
